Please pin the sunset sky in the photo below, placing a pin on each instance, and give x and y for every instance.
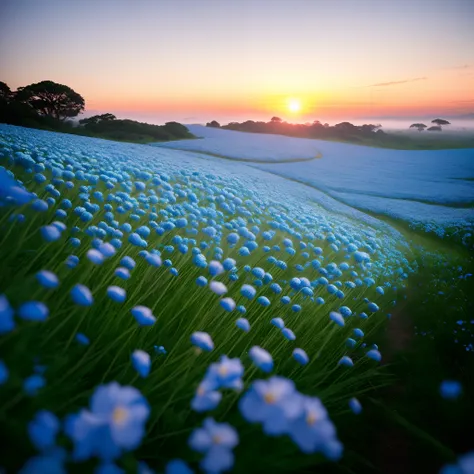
(197, 60)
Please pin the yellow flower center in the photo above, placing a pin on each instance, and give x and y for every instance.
(222, 370)
(269, 398)
(216, 439)
(119, 415)
(311, 419)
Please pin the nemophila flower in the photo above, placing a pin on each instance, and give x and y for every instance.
(153, 260)
(312, 431)
(177, 466)
(39, 205)
(300, 356)
(278, 322)
(116, 293)
(227, 373)
(248, 291)
(81, 295)
(141, 362)
(33, 383)
(51, 462)
(374, 354)
(136, 240)
(95, 256)
(143, 315)
(82, 339)
(337, 318)
(296, 308)
(345, 311)
(288, 334)
(263, 300)
(319, 300)
(215, 268)
(346, 361)
(160, 349)
(261, 358)
(217, 287)
(201, 281)
(363, 316)
(274, 403)
(465, 465)
(228, 304)
(355, 406)
(202, 340)
(107, 249)
(50, 233)
(33, 311)
(216, 441)
(114, 423)
(174, 271)
(122, 273)
(243, 324)
(450, 389)
(205, 399)
(3, 372)
(372, 307)
(7, 323)
(358, 333)
(351, 342)
(43, 429)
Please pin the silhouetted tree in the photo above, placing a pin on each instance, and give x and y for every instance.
(440, 122)
(419, 126)
(97, 118)
(435, 128)
(5, 92)
(275, 119)
(213, 124)
(50, 99)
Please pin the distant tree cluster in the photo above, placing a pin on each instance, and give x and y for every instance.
(49, 105)
(343, 130)
(434, 128)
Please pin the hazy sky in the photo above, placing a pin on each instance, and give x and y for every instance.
(204, 59)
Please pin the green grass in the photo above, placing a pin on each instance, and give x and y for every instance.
(181, 308)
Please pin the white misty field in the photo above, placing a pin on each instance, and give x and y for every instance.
(429, 188)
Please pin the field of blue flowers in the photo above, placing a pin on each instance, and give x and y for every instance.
(162, 313)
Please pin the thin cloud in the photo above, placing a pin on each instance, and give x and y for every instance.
(394, 83)
(465, 66)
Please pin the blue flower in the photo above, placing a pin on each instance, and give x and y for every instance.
(372, 307)
(160, 349)
(81, 295)
(243, 324)
(218, 287)
(95, 256)
(202, 340)
(205, 399)
(450, 389)
(201, 281)
(274, 402)
(33, 383)
(261, 358)
(177, 466)
(374, 354)
(3, 372)
(227, 373)
(115, 422)
(312, 431)
(116, 293)
(82, 339)
(72, 261)
(346, 361)
(7, 323)
(47, 279)
(358, 333)
(43, 430)
(345, 311)
(50, 463)
(216, 441)
(263, 300)
(141, 362)
(465, 465)
(337, 318)
(278, 322)
(228, 304)
(128, 263)
(355, 406)
(50, 233)
(33, 311)
(153, 260)
(143, 315)
(288, 334)
(300, 356)
(215, 268)
(122, 273)
(248, 291)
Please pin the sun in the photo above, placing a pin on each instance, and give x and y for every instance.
(294, 105)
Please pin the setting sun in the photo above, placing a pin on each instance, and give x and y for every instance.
(294, 105)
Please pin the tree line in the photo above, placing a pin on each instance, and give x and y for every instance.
(51, 106)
